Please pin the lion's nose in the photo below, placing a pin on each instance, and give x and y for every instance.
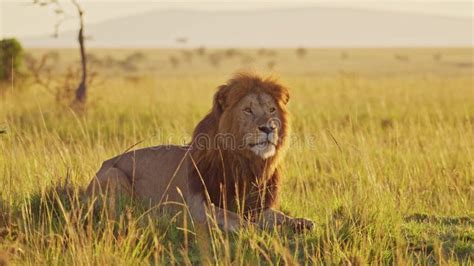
(267, 129)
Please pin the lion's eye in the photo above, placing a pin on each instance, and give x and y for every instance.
(272, 110)
(248, 111)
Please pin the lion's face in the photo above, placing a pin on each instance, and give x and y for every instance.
(248, 118)
(258, 117)
(255, 123)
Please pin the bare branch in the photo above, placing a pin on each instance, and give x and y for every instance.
(78, 7)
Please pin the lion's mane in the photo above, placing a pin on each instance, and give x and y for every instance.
(225, 176)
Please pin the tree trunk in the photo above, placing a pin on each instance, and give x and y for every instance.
(81, 91)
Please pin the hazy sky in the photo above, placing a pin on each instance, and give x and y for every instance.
(22, 18)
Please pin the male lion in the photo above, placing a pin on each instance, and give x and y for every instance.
(229, 172)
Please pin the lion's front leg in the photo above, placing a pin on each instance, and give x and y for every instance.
(203, 212)
(272, 218)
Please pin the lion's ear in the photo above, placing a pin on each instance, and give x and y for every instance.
(220, 98)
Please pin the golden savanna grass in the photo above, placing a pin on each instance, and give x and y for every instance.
(381, 156)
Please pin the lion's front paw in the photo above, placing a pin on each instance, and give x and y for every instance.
(301, 224)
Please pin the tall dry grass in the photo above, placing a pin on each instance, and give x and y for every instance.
(381, 159)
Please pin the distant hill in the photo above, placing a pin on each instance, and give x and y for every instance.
(310, 27)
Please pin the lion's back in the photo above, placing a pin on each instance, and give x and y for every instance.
(158, 174)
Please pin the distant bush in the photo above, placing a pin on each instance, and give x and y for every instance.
(402, 58)
(438, 56)
(301, 52)
(174, 61)
(201, 51)
(136, 57)
(231, 52)
(41, 68)
(11, 56)
(261, 51)
(344, 55)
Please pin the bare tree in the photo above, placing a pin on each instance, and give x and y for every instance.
(81, 91)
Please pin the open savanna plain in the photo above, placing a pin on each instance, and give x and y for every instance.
(381, 155)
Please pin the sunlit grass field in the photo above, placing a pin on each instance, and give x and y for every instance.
(381, 155)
